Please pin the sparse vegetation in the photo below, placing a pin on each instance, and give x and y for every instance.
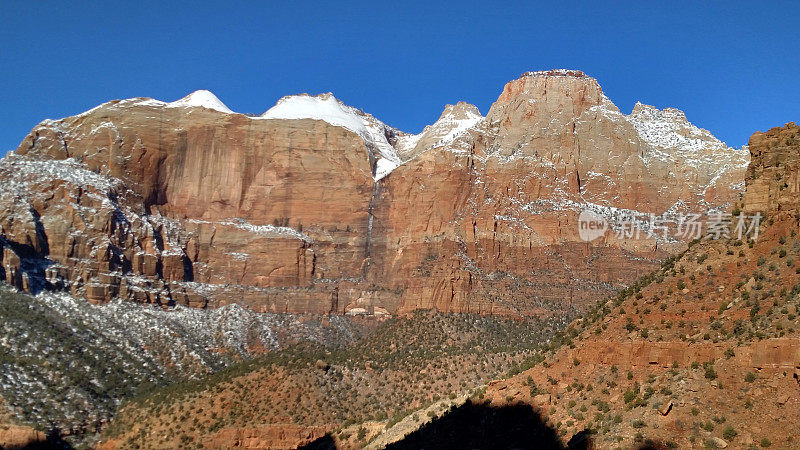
(401, 366)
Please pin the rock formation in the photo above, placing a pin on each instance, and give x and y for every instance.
(705, 350)
(773, 179)
(318, 207)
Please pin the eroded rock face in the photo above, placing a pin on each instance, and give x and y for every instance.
(495, 206)
(156, 204)
(15, 437)
(316, 207)
(773, 180)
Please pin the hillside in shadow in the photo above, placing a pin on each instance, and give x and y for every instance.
(480, 425)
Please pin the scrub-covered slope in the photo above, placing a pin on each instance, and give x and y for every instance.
(704, 351)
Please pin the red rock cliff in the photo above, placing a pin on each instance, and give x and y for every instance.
(188, 202)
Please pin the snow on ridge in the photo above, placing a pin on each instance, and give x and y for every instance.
(323, 107)
(21, 172)
(668, 128)
(455, 121)
(672, 138)
(329, 109)
(458, 121)
(556, 73)
(198, 99)
(261, 230)
(201, 98)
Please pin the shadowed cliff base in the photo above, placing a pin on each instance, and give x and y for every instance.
(323, 443)
(53, 440)
(480, 425)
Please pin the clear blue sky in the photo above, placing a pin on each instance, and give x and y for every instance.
(733, 67)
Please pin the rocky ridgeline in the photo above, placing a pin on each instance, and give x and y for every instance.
(317, 207)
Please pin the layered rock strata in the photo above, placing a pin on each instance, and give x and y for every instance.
(318, 207)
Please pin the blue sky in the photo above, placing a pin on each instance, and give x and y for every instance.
(733, 67)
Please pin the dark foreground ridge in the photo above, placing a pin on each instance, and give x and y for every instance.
(480, 425)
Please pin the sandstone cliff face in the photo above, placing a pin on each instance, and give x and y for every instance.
(317, 207)
(773, 179)
(501, 196)
(146, 202)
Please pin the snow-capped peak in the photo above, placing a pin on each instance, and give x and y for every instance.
(668, 128)
(320, 107)
(673, 139)
(203, 99)
(328, 108)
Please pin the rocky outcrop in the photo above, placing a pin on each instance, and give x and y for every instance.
(317, 207)
(773, 179)
(13, 437)
(162, 204)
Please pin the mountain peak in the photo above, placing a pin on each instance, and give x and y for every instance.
(307, 106)
(643, 110)
(461, 111)
(329, 109)
(454, 122)
(669, 128)
(556, 73)
(203, 99)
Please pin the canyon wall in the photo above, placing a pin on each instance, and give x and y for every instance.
(317, 207)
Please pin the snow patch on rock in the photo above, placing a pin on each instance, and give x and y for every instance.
(673, 139)
(202, 99)
(556, 73)
(327, 108)
(668, 128)
(21, 173)
(455, 121)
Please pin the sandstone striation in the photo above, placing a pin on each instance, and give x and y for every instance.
(318, 207)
